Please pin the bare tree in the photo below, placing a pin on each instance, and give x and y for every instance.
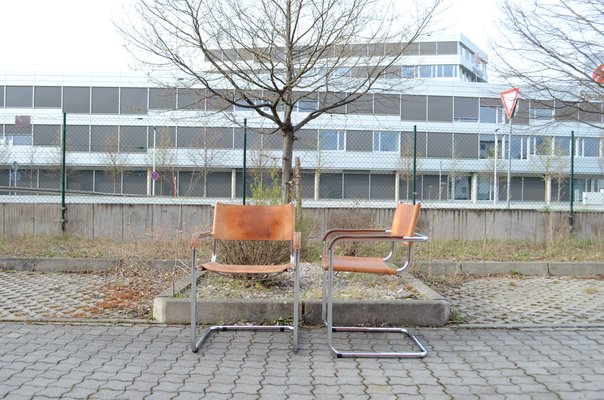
(405, 164)
(267, 55)
(553, 47)
(115, 159)
(204, 157)
(551, 161)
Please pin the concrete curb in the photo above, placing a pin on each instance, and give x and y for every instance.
(522, 268)
(432, 310)
(53, 264)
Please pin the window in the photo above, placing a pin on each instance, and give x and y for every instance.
(78, 138)
(76, 99)
(382, 186)
(359, 140)
(133, 139)
(466, 145)
(47, 96)
(460, 187)
(80, 180)
(307, 139)
(425, 71)
(440, 108)
(306, 105)
(487, 146)
(190, 137)
(332, 140)
(491, 111)
(385, 141)
(440, 145)
(410, 71)
(219, 138)
(133, 101)
(447, 71)
(447, 47)
(356, 186)
(542, 114)
(413, 108)
(105, 100)
(135, 182)
(562, 146)
(1, 96)
(218, 184)
(591, 147)
(465, 109)
(47, 135)
(162, 98)
(19, 96)
(342, 71)
(387, 104)
(104, 138)
(191, 99)
(330, 186)
(363, 105)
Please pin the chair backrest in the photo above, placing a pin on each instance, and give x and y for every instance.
(405, 219)
(246, 222)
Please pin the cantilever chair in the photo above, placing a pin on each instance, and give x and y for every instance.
(246, 222)
(402, 232)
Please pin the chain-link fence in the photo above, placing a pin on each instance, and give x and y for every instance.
(364, 163)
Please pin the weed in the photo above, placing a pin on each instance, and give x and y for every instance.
(590, 290)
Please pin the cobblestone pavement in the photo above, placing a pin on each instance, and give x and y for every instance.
(40, 295)
(155, 362)
(528, 300)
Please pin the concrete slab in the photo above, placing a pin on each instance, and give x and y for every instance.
(575, 269)
(431, 310)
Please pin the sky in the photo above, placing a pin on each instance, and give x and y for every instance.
(79, 36)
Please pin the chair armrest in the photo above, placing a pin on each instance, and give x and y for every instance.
(375, 237)
(198, 235)
(297, 244)
(332, 232)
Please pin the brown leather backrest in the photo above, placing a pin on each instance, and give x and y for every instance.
(245, 222)
(405, 219)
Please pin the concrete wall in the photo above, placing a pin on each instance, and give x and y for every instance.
(128, 222)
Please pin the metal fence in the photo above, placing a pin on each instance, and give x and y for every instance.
(344, 161)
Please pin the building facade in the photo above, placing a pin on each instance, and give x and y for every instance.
(119, 129)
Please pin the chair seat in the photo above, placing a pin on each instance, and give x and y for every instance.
(369, 265)
(244, 269)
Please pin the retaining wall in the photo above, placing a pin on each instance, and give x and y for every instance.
(127, 222)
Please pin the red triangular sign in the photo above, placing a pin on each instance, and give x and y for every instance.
(509, 99)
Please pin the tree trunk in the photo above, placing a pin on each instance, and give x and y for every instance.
(286, 169)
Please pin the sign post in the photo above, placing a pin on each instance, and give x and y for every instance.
(509, 98)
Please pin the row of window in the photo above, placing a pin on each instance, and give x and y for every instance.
(347, 185)
(138, 139)
(352, 50)
(113, 100)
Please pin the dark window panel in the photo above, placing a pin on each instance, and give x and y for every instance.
(104, 139)
(219, 184)
(387, 104)
(392, 49)
(440, 145)
(307, 185)
(254, 139)
(27, 177)
(80, 181)
(105, 182)
(1, 96)
(105, 100)
(190, 184)
(356, 186)
(217, 103)
(382, 186)
(219, 138)
(427, 48)
(238, 184)
(191, 99)
(363, 105)
(522, 112)
(133, 139)
(392, 72)
(190, 137)
(465, 109)
(440, 108)
(78, 138)
(307, 139)
(466, 145)
(19, 96)
(165, 136)
(47, 96)
(273, 141)
(135, 182)
(490, 102)
(359, 141)
(11, 129)
(411, 49)
(162, 98)
(431, 188)
(133, 100)
(50, 179)
(447, 47)
(76, 99)
(328, 99)
(413, 108)
(47, 135)
(375, 50)
(407, 144)
(591, 112)
(330, 186)
(533, 189)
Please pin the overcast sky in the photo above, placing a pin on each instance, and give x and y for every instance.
(79, 36)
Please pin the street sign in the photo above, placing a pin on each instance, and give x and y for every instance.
(509, 99)
(22, 121)
(155, 175)
(598, 75)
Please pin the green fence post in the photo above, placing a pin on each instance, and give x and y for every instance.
(414, 161)
(571, 217)
(244, 157)
(63, 146)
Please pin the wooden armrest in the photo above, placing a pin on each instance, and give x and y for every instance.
(297, 240)
(198, 235)
(332, 232)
